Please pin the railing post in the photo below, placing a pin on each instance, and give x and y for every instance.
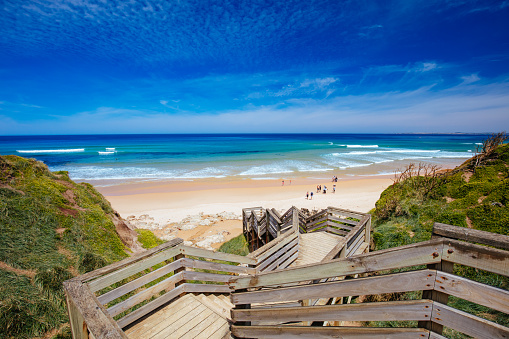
(443, 298)
(367, 237)
(295, 219)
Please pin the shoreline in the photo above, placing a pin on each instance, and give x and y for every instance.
(209, 211)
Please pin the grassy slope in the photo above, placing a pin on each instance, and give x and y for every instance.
(51, 229)
(468, 196)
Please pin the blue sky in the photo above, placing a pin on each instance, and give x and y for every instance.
(146, 66)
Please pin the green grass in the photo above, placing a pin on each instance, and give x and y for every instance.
(52, 228)
(406, 211)
(237, 245)
(148, 239)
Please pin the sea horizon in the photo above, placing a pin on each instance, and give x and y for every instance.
(105, 159)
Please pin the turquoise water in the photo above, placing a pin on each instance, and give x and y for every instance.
(255, 156)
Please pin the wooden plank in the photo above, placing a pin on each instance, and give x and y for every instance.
(199, 252)
(344, 221)
(77, 321)
(355, 245)
(90, 312)
(132, 285)
(165, 317)
(433, 335)
(467, 323)
(128, 261)
(398, 282)
(302, 332)
(268, 246)
(477, 256)
(205, 288)
(335, 230)
(382, 311)
(275, 264)
(191, 275)
(213, 266)
(346, 240)
(289, 261)
(147, 308)
(127, 271)
(471, 235)
(427, 252)
(489, 296)
(184, 322)
(274, 248)
(201, 326)
(276, 255)
(148, 293)
(219, 310)
(347, 213)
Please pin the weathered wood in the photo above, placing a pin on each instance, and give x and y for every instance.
(129, 270)
(400, 282)
(281, 262)
(472, 235)
(132, 285)
(426, 252)
(166, 284)
(89, 311)
(151, 306)
(335, 230)
(347, 213)
(262, 257)
(78, 326)
(208, 265)
(467, 323)
(128, 261)
(433, 335)
(214, 306)
(437, 296)
(166, 316)
(286, 247)
(354, 245)
(269, 246)
(489, 296)
(214, 277)
(350, 224)
(205, 288)
(199, 252)
(300, 332)
(383, 311)
(477, 256)
(346, 240)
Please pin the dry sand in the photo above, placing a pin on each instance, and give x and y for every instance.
(166, 204)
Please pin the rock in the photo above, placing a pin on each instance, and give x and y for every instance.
(186, 227)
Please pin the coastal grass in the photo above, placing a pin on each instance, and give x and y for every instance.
(473, 195)
(51, 229)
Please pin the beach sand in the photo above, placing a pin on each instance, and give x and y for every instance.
(163, 206)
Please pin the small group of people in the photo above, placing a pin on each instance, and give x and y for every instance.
(334, 178)
(309, 196)
(324, 189)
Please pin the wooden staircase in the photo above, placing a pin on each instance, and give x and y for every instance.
(192, 316)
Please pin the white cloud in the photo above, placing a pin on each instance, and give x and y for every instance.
(468, 79)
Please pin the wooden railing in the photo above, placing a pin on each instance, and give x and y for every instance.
(102, 302)
(261, 226)
(437, 282)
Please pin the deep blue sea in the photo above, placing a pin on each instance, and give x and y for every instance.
(124, 158)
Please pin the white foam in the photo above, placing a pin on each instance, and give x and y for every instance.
(110, 148)
(72, 150)
(105, 153)
(362, 146)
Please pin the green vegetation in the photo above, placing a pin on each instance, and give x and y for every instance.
(474, 195)
(148, 239)
(237, 245)
(51, 229)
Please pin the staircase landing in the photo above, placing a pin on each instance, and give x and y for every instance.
(313, 247)
(193, 316)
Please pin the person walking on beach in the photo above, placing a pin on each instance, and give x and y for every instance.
(282, 182)
(307, 195)
(311, 195)
(334, 188)
(324, 189)
(317, 188)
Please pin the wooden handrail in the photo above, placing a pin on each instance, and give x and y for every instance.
(471, 235)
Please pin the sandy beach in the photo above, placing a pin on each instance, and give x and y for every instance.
(209, 211)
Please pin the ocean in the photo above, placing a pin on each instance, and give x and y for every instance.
(111, 159)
